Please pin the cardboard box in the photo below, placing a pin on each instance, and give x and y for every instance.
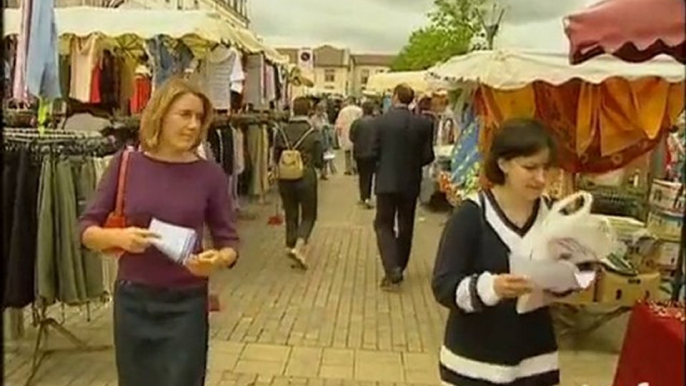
(621, 290)
(667, 254)
(665, 226)
(663, 197)
(586, 296)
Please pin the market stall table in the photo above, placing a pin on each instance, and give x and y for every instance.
(653, 351)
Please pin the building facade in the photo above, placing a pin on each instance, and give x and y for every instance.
(366, 65)
(235, 11)
(336, 70)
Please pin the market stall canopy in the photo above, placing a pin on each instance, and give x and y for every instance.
(633, 30)
(130, 28)
(602, 113)
(507, 70)
(386, 82)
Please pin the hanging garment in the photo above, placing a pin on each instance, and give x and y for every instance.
(218, 77)
(142, 91)
(258, 150)
(270, 84)
(109, 80)
(238, 151)
(42, 71)
(85, 54)
(254, 84)
(20, 192)
(237, 73)
(19, 88)
(95, 84)
(162, 59)
(127, 74)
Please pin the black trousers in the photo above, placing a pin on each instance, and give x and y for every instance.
(366, 169)
(300, 202)
(395, 247)
(21, 179)
(160, 335)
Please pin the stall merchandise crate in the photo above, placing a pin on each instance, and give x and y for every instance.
(667, 197)
(665, 226)
(667, 255)
(627, 290)
(587, 296)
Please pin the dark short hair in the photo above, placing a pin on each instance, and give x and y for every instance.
(301, 106)
(368, 108)
(424, 104)
(404, 93)
(515, 138)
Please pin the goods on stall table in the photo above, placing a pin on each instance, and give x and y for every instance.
(665, 197)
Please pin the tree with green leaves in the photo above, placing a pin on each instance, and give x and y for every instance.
(453, 24)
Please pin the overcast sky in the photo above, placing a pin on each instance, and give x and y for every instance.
(383, 25)
(361, 25)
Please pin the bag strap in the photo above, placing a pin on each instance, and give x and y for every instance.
(300, 141)
(285, 138)
(121, 182)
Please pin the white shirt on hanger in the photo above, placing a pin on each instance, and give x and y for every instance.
(218, 77)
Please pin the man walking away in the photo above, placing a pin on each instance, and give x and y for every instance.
(345, 119)
(402, 146)
(362, 138)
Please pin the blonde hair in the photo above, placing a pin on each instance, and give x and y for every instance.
(158, 108)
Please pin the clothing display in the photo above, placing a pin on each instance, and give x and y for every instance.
(255, 81)
(42, 72)
(44, 191)
(142, 90)
(85, 56)
(258, 150)
(220, 141)
(218, 70)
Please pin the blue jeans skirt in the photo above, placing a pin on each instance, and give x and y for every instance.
(160, 335)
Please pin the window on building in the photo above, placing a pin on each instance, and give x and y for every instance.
(365, 76)
(329, 76)
(196, 4)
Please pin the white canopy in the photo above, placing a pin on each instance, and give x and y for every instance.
(131, 27)
(384, 82)
(508, 70)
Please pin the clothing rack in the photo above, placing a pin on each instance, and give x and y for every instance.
(59, 142)
(40, 353)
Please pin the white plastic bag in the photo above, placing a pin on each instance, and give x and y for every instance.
(552, 252)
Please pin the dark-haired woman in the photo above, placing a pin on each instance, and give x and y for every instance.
(486, 341)
(299, 197)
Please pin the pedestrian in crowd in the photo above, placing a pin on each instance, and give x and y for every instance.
(299, 196)
(486, 341)
(160, 306)
(320, 121)
(362, 138)
(402, 147)
(345, 119)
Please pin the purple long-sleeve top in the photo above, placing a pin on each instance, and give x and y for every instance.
(185, 194)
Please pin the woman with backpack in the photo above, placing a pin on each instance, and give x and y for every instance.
(299, 152)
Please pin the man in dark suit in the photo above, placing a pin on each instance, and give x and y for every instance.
(362, 137)
(403, 146)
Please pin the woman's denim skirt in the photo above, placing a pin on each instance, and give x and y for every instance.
(160, 335)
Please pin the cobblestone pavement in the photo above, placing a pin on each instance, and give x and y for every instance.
(328, 326)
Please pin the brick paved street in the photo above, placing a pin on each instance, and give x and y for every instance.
(328, 326)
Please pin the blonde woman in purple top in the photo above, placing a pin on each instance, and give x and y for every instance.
(160, 306)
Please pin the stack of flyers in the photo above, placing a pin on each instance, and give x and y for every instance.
(174, 241)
